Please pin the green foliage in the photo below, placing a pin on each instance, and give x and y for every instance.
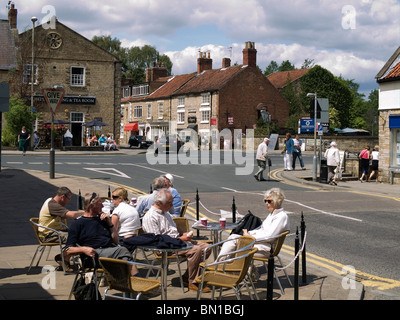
(135, 60)
(18, 116)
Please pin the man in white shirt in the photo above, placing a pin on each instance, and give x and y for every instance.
(158, 220)
(261, 157)
(333, 161)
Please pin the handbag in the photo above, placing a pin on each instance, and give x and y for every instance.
(85, 291)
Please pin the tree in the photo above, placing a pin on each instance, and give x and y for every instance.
(135, 60)
(19, 115)
(271, 68)
(286, 66)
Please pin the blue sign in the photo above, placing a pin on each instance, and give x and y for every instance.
(306, 125)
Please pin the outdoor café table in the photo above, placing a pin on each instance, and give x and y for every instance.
(164, 262)
(215, 228)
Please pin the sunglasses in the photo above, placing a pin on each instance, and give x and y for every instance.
(268, 200)
(115, 197)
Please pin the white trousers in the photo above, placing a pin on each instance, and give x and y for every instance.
(287, 161)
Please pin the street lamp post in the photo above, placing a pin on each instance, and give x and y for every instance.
(34, 19)
(315, 135)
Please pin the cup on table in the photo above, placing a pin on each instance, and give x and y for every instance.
(204, 221)
(222, 223)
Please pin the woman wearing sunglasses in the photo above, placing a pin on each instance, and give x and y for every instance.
(274, 224)
(125, 218)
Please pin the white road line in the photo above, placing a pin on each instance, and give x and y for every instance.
(302, 205)
(107, 171)
(144, 167)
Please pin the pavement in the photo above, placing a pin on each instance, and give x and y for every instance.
(24, 191)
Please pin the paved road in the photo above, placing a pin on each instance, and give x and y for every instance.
(346, 228)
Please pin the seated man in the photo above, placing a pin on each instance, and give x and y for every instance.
(276, 222)
(144, 203)
(159, 221)
(53, 214)
(176, 197)
(94, 235)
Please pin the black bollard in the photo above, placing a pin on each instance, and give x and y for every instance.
(109, 193)
(151, 189)
(296, 266)
(270, 273)
(303, 254)
(233, 210)
(80, 200)
(197, 209)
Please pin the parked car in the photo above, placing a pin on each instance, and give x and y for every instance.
(167, 143)
(139, 141)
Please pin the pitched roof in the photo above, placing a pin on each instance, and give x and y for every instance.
(391, 68)
(8, 57)
(210, 80)
(279, 79)
(172, 84)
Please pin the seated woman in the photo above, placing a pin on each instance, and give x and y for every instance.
(124, 217)
(93, 141)
(276, 222)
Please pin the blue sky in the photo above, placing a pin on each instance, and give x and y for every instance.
(352, 38)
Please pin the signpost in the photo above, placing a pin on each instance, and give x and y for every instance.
(53, 98)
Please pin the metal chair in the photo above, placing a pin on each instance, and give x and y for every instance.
(43, 245)
(222, 279)
(118, 276)
(185, 204)
(275, 253)
(182, 223)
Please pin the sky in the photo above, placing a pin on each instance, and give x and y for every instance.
(350, 38)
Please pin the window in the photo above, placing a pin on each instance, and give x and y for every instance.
(161, 110)
(395, 153)
(181, 102)
(205, 99)
(205, 116)
(149, 111)
(138, 112)
(140, 90)
(27, 74)
(77, 76)
(77, 117)
(181, 116)
(126, 92)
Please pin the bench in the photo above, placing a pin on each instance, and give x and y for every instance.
(392, 171)
(82, 148)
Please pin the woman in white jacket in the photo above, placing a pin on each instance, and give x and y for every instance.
(276, 222)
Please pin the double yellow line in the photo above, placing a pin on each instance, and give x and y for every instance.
(366, 279)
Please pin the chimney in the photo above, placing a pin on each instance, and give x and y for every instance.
(250, 54)
(204, 62)
(158, 71)
(12, 16)
(226, 63)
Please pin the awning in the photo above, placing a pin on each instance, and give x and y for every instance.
(133, 126)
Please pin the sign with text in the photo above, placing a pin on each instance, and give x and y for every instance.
(53, 98)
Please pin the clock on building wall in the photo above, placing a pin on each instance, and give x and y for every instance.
(54, 40)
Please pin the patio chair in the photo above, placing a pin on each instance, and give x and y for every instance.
(117, 274)
(43, 245)
(185, 204)
(222, 279)
(275, 253)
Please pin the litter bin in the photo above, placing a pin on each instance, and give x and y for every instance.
(323, 173)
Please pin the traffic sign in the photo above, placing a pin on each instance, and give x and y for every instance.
(306, 125)
(53, 98)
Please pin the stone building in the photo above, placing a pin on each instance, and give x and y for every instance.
(388, 79)
(90, 76)
(231, 97)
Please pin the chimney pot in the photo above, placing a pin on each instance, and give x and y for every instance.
(250, 54)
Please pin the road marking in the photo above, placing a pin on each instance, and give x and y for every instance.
(302, 205)
(107, 171)
(144, 167)
(366, 279)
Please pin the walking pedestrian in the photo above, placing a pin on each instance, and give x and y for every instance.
(375, 163)
(297, 143)
(288, 152)
(333, 162)
(262, 157)
(364, 163)
(23, 140)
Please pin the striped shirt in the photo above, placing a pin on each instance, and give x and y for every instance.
(158, 222)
